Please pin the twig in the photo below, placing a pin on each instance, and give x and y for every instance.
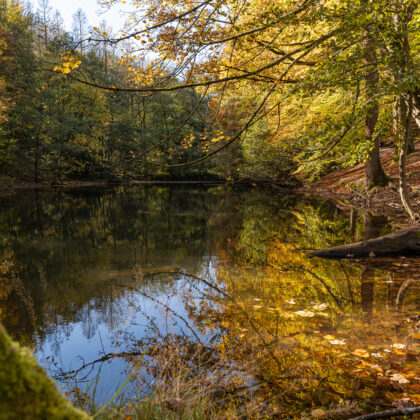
(169, 310)
(105, 358)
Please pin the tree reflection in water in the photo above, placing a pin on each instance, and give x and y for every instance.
(213, 282)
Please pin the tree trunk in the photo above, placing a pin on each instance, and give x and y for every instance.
(353, 221)
(36, 159)
(403, 159)
(398, 114)
(416, 107)
(375, 175)
(403, 65)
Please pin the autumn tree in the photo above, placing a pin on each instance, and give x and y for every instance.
(44, 18)
(57, 24)
(278, 49)
(79, 27)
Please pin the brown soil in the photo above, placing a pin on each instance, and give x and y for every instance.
(347, 187)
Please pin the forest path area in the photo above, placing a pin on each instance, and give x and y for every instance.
(348, 186)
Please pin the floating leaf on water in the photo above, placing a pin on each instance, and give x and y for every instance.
(329, 337)
(257, 307)
(377, 355)
(361, 353)
(338, 342)
(307, 314)
(320, 307)
(291, 302)
(398, 346)
(397, 377)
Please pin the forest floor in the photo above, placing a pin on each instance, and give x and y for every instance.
(347, 187)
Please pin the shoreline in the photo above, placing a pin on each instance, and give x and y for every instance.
(382, 201)
(81, 184)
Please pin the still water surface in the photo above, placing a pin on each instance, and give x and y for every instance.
(89, 274)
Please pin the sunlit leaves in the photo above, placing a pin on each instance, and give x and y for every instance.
(68, 63)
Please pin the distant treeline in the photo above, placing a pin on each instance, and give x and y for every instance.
(53, 128)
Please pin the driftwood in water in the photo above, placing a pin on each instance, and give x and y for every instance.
(403, 242)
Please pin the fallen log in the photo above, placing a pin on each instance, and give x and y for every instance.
(402, 242)
(407, 411)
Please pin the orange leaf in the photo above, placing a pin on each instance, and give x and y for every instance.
(361, 353)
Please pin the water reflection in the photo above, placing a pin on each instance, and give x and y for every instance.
(91, 278)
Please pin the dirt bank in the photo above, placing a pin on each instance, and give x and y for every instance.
(346, 186)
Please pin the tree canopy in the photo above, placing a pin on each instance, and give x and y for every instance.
(268, 89)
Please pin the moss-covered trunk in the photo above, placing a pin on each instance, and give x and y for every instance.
(26, 391)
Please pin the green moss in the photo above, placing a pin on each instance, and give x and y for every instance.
(26, 391)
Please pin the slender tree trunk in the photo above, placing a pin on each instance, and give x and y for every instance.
(81, 37)
(132, 112)
(399, 111)
(375, 175)
(416, 107)
(45, 31)
(406, 100)
(143, 119)
(353, 220)
(37, 146)
(403, 159)
(106, 58)
(36, 159)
